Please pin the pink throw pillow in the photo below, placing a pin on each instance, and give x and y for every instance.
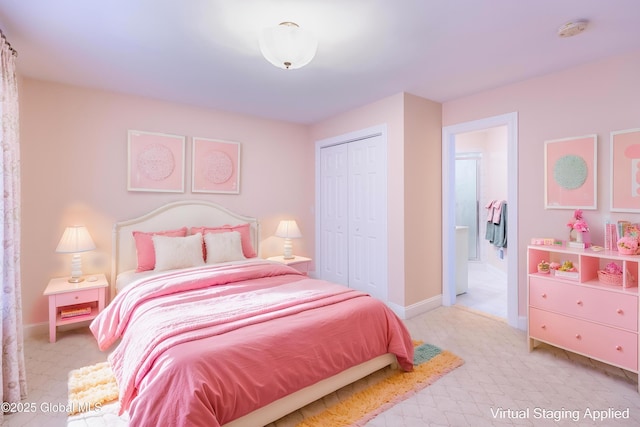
(144, 246)
(245, 236)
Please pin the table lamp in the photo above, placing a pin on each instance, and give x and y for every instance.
(74, 240)
(289, 230)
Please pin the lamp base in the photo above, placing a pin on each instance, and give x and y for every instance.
(76, 269)
(288, 249)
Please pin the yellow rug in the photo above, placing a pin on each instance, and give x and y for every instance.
(91, 387)
(431, 363)
(94, 386)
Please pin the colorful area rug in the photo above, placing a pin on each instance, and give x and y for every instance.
(93, 386)
(430, 363)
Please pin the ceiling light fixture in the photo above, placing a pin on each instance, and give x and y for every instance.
(572, 28)
(288, 46)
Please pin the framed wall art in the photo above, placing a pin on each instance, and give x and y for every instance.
(156, 162)
(215, 166)
(570, 173)
(625, 171)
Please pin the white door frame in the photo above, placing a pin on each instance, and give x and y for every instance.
(448, 207)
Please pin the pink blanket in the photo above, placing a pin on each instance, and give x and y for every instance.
(205, 346)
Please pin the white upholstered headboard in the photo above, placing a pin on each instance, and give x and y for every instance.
(188, 213)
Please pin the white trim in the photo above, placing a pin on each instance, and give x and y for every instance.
(416, 309)
(448, 208)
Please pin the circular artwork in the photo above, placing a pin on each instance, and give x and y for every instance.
(156, 162)
(218, 167)
(570, 172)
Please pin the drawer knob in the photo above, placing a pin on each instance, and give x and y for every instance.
(77, 297)
(578, 336)
(579, 302)
(544, 295)
(543, 326)
(619, 347)
(619, 311)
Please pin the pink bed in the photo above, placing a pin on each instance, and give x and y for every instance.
(214, 345)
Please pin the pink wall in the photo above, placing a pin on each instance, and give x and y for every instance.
(74, 157)
(596, 98)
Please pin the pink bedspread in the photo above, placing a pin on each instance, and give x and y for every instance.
(208, 345)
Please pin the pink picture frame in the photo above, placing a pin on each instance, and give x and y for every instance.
(156, 162)
(570, 173)
(215, 166)
(625, 170)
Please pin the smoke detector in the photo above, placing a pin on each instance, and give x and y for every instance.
(572, 28)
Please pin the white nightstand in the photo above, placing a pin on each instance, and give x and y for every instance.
(65, 296)
(300, 263)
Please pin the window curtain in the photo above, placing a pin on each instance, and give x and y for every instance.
(14, 384)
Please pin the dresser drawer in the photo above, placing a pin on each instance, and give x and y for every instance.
(607, 344)
(598, 305)
(77, 297)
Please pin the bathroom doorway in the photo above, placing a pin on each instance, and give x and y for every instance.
(451, 146)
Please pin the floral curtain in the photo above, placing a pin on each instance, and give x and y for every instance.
(14, 385)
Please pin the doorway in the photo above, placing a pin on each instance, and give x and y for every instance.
(449, 134)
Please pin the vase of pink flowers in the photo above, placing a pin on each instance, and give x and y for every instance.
(577, 226)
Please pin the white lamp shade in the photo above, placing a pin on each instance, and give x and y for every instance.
(75, 239)
(288, 229)
(288, 46)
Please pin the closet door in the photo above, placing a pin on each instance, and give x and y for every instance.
(368, 216)
(353, 215)
(333, 214)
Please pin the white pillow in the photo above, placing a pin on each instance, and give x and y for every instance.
(223, 247)
(178, 252)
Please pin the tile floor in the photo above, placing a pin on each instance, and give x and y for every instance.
(499, 374)
(487, 290)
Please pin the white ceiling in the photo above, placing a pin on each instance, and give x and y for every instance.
(205, 52)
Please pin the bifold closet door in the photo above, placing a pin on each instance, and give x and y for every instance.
(353, 216)
(333, 217)
(367, 213)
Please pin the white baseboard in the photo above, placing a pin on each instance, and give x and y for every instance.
(417, 308)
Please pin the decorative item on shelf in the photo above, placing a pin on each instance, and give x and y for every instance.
(628, 245)
(289, 230)
(74, 240)
(567, 271)
(577, 226)
(611, 274)
(545, 241)
(543, 267)
(553, 266)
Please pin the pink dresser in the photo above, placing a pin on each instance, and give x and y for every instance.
(583, 314)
